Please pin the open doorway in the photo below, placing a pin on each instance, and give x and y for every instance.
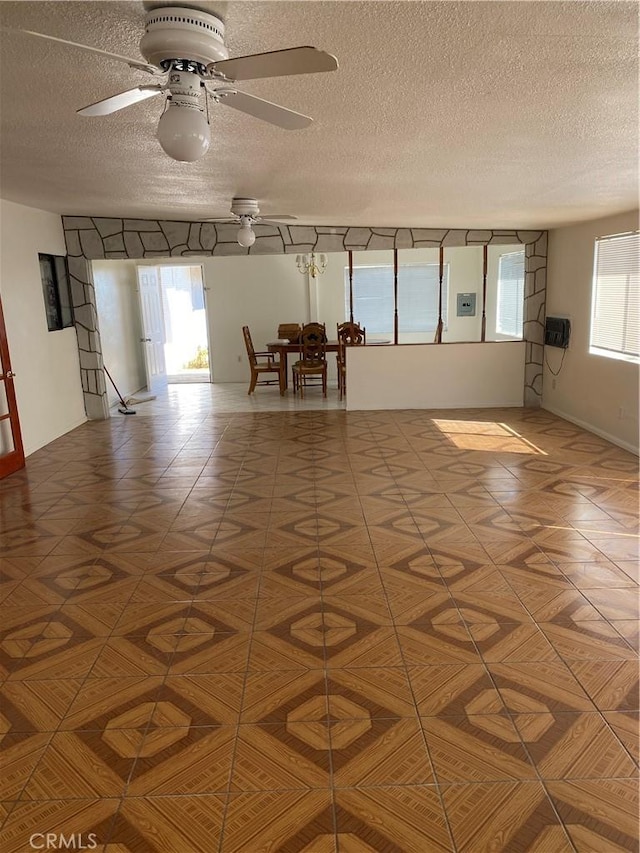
(174, 323)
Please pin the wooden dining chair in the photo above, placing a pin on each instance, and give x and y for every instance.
(260, 367)
(312, 364)
(352, 334)
(349, 335)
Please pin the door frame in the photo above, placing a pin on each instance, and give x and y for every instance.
(158, 263)
(13, 460)
(207, 319)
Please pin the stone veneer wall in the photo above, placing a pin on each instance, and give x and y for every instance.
(94, 238)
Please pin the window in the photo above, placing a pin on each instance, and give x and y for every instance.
(56, 292)
(510, 301)
(615, 326)
(418, 286)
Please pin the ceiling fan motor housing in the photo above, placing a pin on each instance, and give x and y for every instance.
(177, 33)
(245, 207)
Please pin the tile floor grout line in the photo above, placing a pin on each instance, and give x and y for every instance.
(405, 670)
(533, 764)
(234, 751)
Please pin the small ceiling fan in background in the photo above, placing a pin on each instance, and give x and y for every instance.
(246, 213)
(184, 48)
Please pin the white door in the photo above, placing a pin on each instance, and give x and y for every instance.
(153, 330)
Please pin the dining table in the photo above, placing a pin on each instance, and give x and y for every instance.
(284, 347)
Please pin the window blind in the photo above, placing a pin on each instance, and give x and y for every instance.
(418, 286)
(615, 321)
(418, 297)
(510, 301)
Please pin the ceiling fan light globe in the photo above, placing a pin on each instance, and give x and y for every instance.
(246, 236)
(184, 133)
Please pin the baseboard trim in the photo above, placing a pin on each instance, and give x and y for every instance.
(438, 404)
(625, 445)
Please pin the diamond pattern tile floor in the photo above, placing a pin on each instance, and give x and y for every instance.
(236, 625)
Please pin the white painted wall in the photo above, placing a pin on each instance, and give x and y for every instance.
(120, 330)
(590, 389)
(259, 291)
(435, 376)
(46, 364)
(465, 276)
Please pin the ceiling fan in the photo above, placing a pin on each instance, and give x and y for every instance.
(184, 48)
(245, 213)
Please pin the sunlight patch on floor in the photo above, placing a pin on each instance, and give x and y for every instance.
(485, 435)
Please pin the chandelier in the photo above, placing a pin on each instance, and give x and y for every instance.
(312, 264)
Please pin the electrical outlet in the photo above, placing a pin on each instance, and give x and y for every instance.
(553, 384)
(622, 413)
(239, 359)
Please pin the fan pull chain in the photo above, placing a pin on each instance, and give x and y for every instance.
(206, 104)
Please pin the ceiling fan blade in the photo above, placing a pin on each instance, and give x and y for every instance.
(265, 110)
(224, 221)
(132, 63)
(276, 63)
(122, 100)
(275, 218)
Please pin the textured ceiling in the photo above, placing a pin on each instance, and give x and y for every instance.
(443, 114)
